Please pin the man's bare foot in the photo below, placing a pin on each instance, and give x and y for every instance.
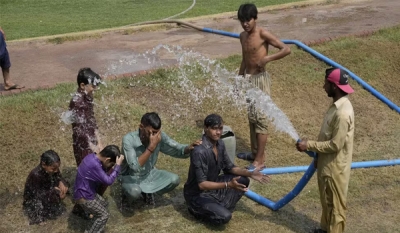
(256, 165)
(13, 86)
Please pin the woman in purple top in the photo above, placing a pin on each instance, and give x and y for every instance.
(45, 188)
(85, 134)
(91, 174)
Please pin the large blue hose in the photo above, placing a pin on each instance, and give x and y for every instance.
(309, 172)
(354, 165)
(288, 197)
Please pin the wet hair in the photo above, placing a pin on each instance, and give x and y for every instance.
(88, 76)
(151, 119)
(247, 12)
(49, 157)
(110, 151)
(213, 120)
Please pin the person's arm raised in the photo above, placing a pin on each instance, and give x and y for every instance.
(155, 138)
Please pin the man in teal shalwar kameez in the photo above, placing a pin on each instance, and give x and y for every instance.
(138, 176)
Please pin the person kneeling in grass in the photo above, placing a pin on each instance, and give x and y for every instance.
(45, 188)
(210, 196)
(91, 174)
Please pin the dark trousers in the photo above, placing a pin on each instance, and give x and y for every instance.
(216, 206)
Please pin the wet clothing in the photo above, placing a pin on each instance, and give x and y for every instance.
(97, 207)
(214, 206)
(84, 126)
(90, 176)
(261, 80)
(136, 179)
(258, 121)
(41, 200)
(335, 149)
(4, 57)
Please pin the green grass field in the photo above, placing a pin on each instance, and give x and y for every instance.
(25, 18)
(30, 124)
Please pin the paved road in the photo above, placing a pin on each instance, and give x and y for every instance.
(37, 63)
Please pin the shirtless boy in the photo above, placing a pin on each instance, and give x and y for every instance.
(255, 42)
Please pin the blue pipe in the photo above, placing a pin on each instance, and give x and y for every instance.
(354, 165)
(324, 59)
(288, 197)
(220, 32)
(310, 170)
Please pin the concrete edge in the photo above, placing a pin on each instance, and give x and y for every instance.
(143, 72)
(214, 16)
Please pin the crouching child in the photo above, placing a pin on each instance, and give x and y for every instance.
(91, 174)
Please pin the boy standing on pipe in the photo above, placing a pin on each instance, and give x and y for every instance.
(255, 41)
(334, 149)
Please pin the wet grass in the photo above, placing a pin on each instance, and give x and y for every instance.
(30, 125)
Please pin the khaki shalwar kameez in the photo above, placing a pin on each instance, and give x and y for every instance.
(334, 148)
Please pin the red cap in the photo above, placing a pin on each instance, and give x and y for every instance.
(340, 78)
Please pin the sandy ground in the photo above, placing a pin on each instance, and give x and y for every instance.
(36, 63)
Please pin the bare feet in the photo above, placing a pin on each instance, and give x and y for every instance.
(256, 165)
(13, 86)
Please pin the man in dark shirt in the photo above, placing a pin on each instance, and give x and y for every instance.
(210, 196)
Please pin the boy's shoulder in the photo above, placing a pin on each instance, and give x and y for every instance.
(77, 97)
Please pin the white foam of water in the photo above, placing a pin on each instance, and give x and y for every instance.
(67, 117)
(268, 107)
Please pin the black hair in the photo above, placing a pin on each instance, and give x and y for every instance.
(86, 76)
(49, 157)
(110, 151)
(213, 120)
(247, 12)
(151, 119)
(328, 71)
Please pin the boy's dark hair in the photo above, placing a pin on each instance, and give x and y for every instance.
(49, 157)
(151, 119)
(110, 151)
(247, 12)
(213, 120)
(87, 75)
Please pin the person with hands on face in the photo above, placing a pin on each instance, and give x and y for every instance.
(45, 188)
(334, 149)
(210, 196)
(255, 43)
(139, 176)
(91, 174)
